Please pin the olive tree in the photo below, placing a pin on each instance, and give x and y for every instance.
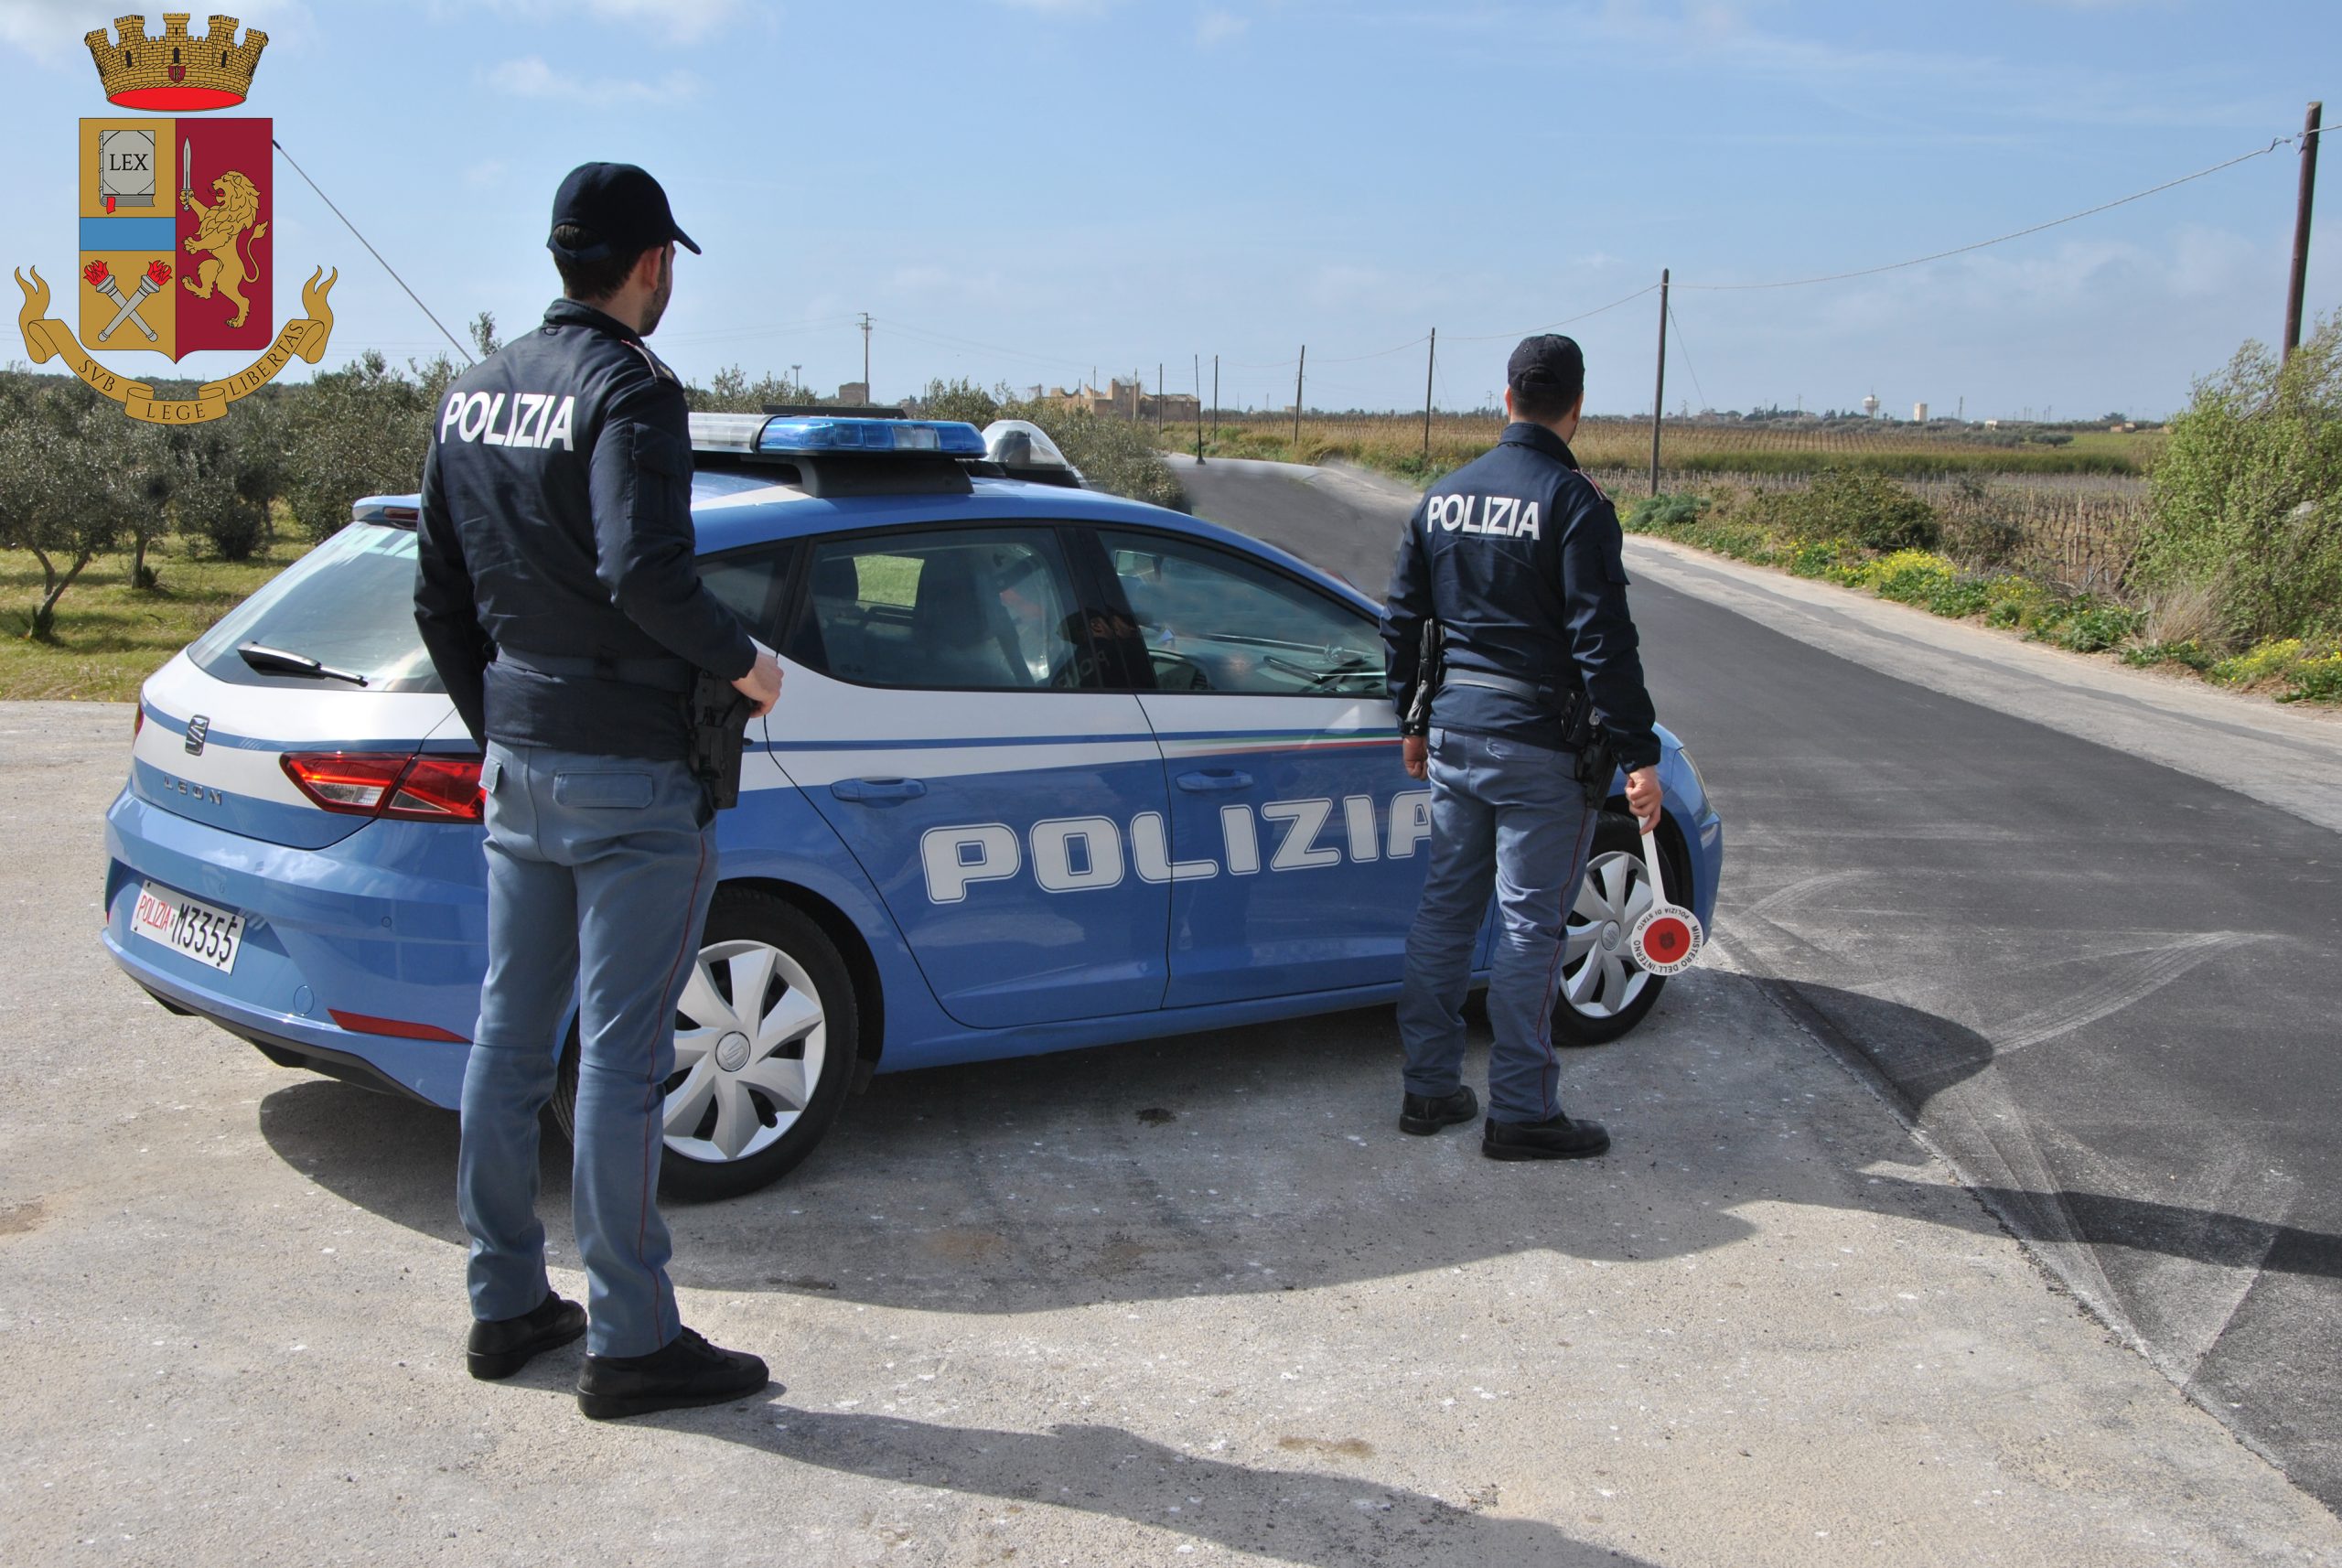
(67, 488)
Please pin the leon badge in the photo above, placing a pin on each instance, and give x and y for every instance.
(175, 210)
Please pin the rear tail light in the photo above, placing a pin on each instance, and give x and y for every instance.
(137, 723)
(406, 787)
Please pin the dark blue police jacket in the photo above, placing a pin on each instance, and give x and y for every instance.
(556, 524)
(1517, 555)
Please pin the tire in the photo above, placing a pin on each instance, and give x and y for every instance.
(808, 1015)
(1604, 995)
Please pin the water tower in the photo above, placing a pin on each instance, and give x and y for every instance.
(1918, 413)
(1870, 406)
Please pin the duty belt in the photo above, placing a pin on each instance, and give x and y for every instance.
(1504, 683)
(659, 674)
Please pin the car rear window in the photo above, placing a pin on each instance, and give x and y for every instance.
(348, 604)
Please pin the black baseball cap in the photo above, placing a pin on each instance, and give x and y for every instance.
(1547, 362)
(621, 208)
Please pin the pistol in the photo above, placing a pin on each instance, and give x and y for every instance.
(1431, 659)
(719, 721)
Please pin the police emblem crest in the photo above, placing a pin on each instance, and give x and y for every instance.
(174, 223)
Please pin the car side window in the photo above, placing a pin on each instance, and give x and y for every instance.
(754, 585)
(989, 609)
(1213, 621)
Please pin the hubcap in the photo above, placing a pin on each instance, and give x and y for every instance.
(750, 1041)
(732, 1052)
(1597, 980)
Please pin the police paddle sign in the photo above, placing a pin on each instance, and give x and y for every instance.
(1667, 939)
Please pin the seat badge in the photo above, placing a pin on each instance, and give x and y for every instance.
(198, 728)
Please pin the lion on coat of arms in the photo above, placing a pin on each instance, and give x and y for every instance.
(220, 225)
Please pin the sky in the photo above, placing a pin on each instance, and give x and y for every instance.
(1033, 191)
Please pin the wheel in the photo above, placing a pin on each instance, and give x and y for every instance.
(764, 1049)
(1604, 994)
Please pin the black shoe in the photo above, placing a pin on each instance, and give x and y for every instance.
(689, 1372)
(1560, 1139)
(500, 1349)
(1420, 1114)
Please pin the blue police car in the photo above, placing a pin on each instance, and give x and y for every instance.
(1052, 769)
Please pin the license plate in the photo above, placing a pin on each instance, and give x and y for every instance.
(188, 927)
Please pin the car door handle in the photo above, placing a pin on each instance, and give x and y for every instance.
(877, 791)
(1214, 782)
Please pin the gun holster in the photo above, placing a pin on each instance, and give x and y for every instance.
(719, 726)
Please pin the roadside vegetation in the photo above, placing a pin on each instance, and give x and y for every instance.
(2229, 566)
(1778, 447)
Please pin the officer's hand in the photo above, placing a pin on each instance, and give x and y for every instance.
(761, 684)
(1643, 798)
(1416, 752)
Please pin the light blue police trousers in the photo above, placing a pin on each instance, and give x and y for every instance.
(1509, 815)
(600, 874)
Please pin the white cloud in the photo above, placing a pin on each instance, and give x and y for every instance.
(666, 21)
(1216, 26)
(531, 77)
(1060, 8)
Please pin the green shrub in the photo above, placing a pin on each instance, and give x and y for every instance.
(2191, 653)
(2264, 661)
(1666, 513)
(2247, 499)
(1116, 454)
(1866, 508)
(2315, 681)
(2088, 626)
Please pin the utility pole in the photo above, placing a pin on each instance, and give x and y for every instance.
(1159, 400)
(866, 356)
(1215, 397)
(1298, 372)
(2310, 133)
(1659, 398)
(1430, 363)
(1199, 410)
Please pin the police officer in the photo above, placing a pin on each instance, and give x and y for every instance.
(558, 593)
(1515, 557)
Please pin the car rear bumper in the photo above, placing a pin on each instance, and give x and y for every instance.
(389, 928)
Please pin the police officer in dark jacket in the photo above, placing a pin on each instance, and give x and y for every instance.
(558, 593)
(1515, 557)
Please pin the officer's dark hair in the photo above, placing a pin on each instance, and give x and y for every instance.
(595, 280)
(1543, 401)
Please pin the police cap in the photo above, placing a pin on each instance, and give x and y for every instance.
(620, 208)
(1547, 366)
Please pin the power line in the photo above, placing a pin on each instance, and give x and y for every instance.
(1565, 321)
(1685, 354)
(373, 253)
(2001, 238)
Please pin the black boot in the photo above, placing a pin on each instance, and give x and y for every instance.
(500, 1349)
(1421, 1113)
(1559, 1139)
(688, 1371)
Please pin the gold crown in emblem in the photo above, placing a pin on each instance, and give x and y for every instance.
(176, 71)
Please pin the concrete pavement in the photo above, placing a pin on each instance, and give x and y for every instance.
(1019, 1321)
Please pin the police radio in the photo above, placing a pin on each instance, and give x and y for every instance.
(1667, 939)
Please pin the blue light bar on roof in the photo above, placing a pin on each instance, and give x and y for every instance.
(948, 437)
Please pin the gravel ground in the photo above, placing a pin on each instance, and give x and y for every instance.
(1023, 1316)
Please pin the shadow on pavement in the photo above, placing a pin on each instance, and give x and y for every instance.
(1291, 1516)
(1037, 1183)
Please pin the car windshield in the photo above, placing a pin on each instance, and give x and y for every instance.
(349, 604)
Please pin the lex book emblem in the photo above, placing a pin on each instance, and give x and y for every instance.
(174, 225)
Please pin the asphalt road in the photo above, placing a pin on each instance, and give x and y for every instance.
(2105, 987)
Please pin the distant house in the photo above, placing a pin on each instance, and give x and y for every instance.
(1129, 400)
